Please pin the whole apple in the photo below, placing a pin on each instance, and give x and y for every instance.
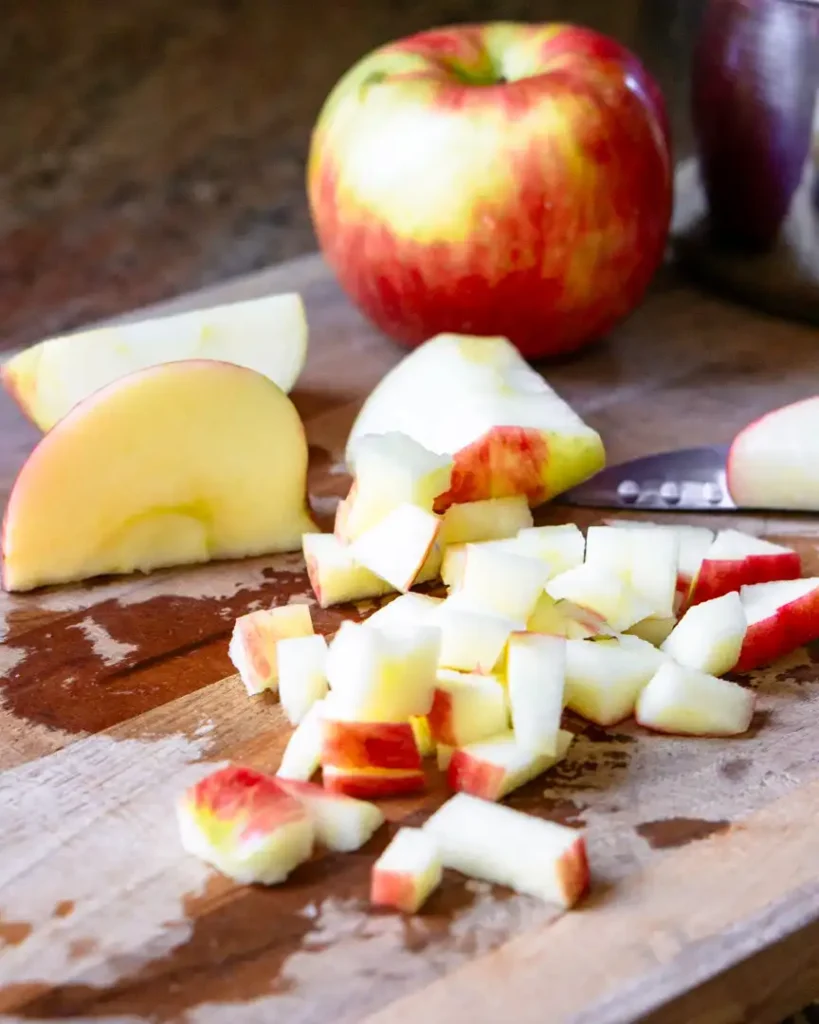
(504, 179)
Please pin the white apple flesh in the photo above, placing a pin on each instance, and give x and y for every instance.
(536, 676)
(687, 702)
(493, 768)
(302, 674)
(709, 636)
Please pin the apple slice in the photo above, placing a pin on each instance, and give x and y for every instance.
(246, 825)
(692, 544)
(477, 398)
(561, 547)
(408, 610)
(709, 636)
(160, 468)
(253, 647)
(781, 616)
(653, 630)
(771, 462)
(493, 768)
(372, 783)
(492, 842)
(466, 708)
(423, 735)
(471, 641)
(407, 872)
(398, 545)
(268, 335)
(736, 559)
(565, 618)
(603, 592)
(382, 675)
(500, 583)
(340, 823)
(302, 674)
(535, 675)
(604, 677)
(302, 755)
(490, 519)
(682, 700)
(335, 576)
(646, 561)
(390, 470)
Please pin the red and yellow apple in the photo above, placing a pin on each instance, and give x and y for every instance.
(499, 179)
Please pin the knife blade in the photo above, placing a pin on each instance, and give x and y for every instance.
(684, 480)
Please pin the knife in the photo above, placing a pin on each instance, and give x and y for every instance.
(685, 480)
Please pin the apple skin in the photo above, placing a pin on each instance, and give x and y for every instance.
(499, 179)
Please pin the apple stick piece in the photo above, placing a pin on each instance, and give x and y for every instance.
(535, 675)
(490, 519)
(684, 701)
(501, 583)
(493, 768)
(782, 616)
(335, 576)
(302, 754)
(492, 842)
(604, 677)
(302, 677)
(254, 643)
(245, 825)
(709, 636)
(466, 708)
(396, 548)
(407, 872)
(341, 823)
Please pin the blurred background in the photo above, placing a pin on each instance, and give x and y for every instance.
(149, 147)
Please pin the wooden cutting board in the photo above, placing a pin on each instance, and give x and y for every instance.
(117, 695)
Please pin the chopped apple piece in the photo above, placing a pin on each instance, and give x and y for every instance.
(709, 636)
(354, 746)
(253, 647)
(646, 561)
(781, 616)
(604, 677)
(407, 872)
(692, 543)
(493, 768)
(565, 618)
(502, 583)
(454, 559)
(302, 755)
(302, 676)
(682, 700)
(490, 519)
(736, 559)
(495, 843)
(477, 398)
(372, 783)
(382, 675)
(390, 470)
(341, 823)
(334, 575)
(603, 592)
(466, 708)
(267, 334)
(246, 825)
(422, 734)
(653, 630)
(535, 675)
(397, 547)
(471, 641)
(561, 547)
(406, 610)
(160, 468)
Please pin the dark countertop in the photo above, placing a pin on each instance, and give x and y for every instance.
(151, 147)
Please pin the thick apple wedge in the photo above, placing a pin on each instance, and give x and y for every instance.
(302, 662)
(246, 825)
(268, 335)
(498, 844)
(407, 872)
(493, 768)
(490, 519)
(646, 561)
(602, 591)
(781, 616)
(604, 677)
(736, 560)
(396, 548)
(254, 643)
(389, 470)
(772, 461)
(686, 702)
(476, 398)
(709, 636)
(302, 755)
(341, 823)
(466, 708)
(535, 677)
(177, 464)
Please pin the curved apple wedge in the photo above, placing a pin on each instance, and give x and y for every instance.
(177, 464)
(268, 335)
(772, 462)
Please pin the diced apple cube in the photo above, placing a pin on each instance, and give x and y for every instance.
(692, 544)
(535, 675)
(493, 768)
(645, 561)
(302, 754)
(497, 844)
(372, 783)
(565, 618)
(709, 636)
(302, 678)
(736, 559)
(341, 823)
(781, 617)
(489, 519)
(471, 641)
(335, 576)
(355, 746)
(604, 677)
(406, 610)
(397, 547)
(603, 592)
(501, 583)
(454, 560)
(246, 825)
(682, 700)
(407, 872)
(561, 547)
(253, 645)
(653, 630)
(466, 708)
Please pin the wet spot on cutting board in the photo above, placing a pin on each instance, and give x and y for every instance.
(64, 908)
(736, 768)
(670, 832)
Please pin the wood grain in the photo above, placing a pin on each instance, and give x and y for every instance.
(115, 695)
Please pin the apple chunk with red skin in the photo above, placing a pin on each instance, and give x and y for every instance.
(407, 872)
(173, 465)
(341, 823)
(782, 616)
(495, 767)
(267, 334)
(736, 559)
(510, 179)
(477, 400)
(255, 640)
(691, 703)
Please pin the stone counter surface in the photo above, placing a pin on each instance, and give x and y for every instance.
(149, 147)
